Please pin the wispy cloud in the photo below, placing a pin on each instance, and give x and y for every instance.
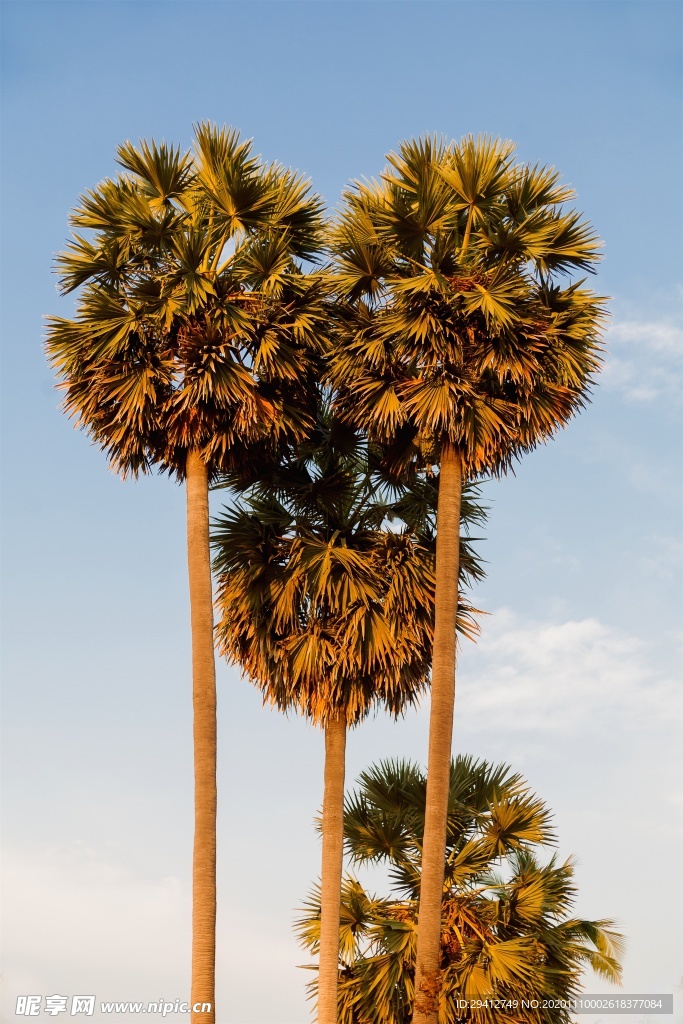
(645, 360)
(549, 677)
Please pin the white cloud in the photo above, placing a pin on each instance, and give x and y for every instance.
(556, 677)
(644, 360)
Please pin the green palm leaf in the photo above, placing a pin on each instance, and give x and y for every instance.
(507, 932)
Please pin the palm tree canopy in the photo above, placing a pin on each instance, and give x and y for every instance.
(326, 579)
(459, 325)
(507, 931)
(196, 323)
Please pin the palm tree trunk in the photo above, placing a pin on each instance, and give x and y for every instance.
(333, 853)
(204, 732)
(427, 976)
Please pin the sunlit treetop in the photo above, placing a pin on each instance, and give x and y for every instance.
(198, 320)
(462, 320)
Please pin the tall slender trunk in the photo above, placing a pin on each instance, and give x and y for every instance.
(333, 853)
(204, 732)
(427, 975)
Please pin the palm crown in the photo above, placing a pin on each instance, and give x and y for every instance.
(507, 932)
(195, 324)
(458, 328)
(326, 579)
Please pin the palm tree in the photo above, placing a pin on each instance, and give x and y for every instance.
(506, 931)
(195, 333)
(460, 348)
(329, 612)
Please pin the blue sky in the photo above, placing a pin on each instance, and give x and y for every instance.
(574, 679)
